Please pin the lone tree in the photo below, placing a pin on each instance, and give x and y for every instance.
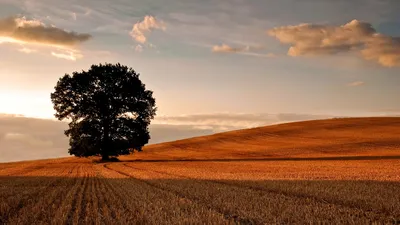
(109, 109)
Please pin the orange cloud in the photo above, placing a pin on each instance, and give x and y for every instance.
(148, 24)
(22, 30)
(19, 30)
(246, 50)
(356, 83)
(228, 49)
(355, 36)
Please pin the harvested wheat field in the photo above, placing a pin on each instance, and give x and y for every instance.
(336, 171)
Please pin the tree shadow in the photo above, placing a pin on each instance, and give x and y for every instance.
(110, 160)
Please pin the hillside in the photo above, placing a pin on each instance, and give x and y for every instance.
(308, 139)
(326, 171)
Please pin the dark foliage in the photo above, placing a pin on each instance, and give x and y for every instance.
(109, 109)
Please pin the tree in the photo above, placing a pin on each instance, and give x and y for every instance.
(109, 110)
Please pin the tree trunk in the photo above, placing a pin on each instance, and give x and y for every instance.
(105, 145)
(105, 157)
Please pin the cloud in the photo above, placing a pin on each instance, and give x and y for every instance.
(233, 121)
(383, 49)
(26, 138)
(68, 55)
(228, 49)
(356, 83)
(149, 23)
(165, 132)
(74, 16)
(87, 12)
(355, 36)
(139, 48)
(20, 29)
(246, 50)
(268, 55)
(26, 50)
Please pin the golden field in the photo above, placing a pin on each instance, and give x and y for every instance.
(338, 171)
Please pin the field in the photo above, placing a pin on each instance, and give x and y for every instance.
(337, 171)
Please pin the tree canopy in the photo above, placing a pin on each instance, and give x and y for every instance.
(109, 110)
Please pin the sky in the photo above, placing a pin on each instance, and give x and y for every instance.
(214, 65)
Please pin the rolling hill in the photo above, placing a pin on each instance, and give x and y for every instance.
(318, 138)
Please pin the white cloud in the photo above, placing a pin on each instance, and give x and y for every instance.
(267, 55)
(74, 16)
(356, 83)
(87, 12)
(139, 48)
(224, 48)
(27, 50)
(355, 36)
(10, 40)
(232, 121)
(245, 50)
(68, 55)
(27, 139)
(149, 23)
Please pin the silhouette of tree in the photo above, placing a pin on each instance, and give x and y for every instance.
(109, 110)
